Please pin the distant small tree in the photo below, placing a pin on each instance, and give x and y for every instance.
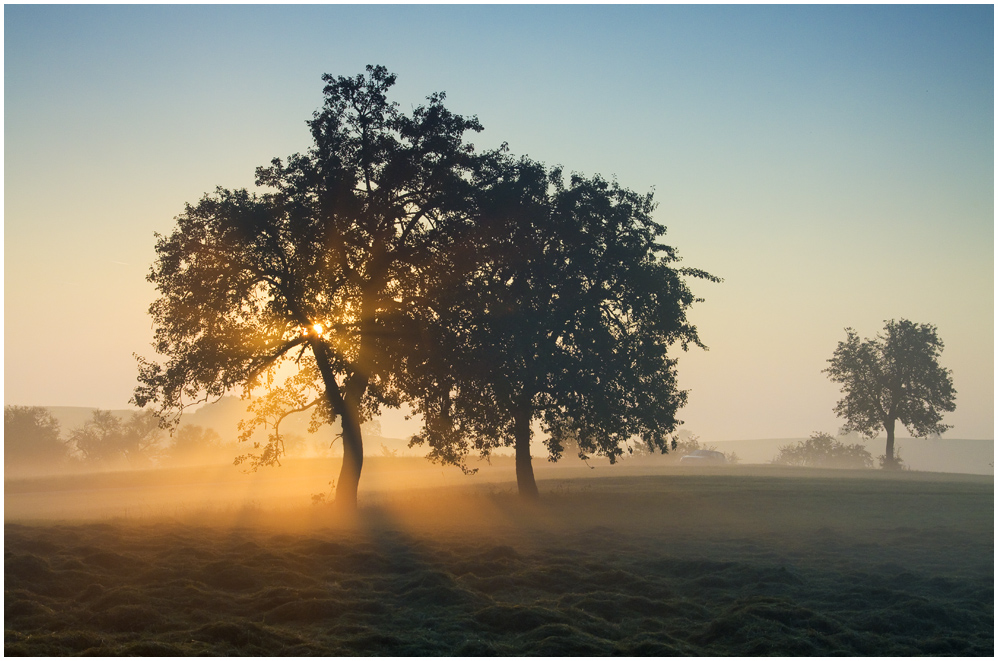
(823, 451)
(31, 438)
(106, 439)
(895, 376)
(98, 439)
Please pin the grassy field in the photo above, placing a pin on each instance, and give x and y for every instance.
(644, 561)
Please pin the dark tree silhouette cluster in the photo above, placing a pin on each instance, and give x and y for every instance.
(394, 263)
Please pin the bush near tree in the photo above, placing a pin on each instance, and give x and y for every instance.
(824, 451)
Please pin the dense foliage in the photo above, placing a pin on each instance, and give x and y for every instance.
(193, 444)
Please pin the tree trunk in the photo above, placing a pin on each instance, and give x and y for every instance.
(353, 446)
(347, 408)
(526, 486)
(889, 462)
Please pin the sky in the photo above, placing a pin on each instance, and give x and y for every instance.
(833, 164)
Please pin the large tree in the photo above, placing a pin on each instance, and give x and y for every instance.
(893, 377)
(560, 308)
(319, 271)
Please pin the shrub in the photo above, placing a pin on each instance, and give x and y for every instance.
(897, 464)
(822, 450)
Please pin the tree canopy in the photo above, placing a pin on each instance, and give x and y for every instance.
(893, 377)
(564, 312)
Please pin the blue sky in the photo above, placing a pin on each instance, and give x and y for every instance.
(834, 164)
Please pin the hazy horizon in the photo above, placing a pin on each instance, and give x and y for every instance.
(396, 429)
(834, 165)
(942, 455)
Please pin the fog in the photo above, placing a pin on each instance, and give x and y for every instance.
(169, 548)
(190, 554)
(647, 561)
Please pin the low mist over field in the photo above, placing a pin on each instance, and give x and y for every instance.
(646, 557)
(740, 561)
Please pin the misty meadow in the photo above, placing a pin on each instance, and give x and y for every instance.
(416, 392)
(655, 561)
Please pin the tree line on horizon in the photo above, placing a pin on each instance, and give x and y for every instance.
(34, 442)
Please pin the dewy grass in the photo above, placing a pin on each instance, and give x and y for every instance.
(746, 562)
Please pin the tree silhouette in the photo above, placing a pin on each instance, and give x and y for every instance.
(31, 438)
(895, 376)
(319, 271)
(564, 313)
(105, 439)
